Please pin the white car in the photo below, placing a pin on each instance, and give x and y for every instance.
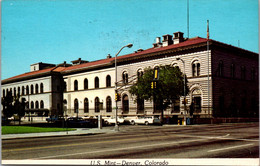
(145, 120)
(113, 120)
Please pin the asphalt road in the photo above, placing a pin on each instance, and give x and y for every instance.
(139, 141)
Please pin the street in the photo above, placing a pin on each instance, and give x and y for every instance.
(239, 140)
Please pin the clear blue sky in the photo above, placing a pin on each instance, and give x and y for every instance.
(53, 31)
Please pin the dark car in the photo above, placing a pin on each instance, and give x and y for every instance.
(77, 122)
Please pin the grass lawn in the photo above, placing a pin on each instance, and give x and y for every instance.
(27, 129)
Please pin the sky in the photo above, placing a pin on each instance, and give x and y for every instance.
(54, 31)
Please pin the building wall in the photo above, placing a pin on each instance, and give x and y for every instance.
(45, 96)
(91, 93)
(195, 82)
(235, 96)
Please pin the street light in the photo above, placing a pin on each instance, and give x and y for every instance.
(129, 46)
(184, 89)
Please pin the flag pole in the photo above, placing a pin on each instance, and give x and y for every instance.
(208, 65)
(188, 18)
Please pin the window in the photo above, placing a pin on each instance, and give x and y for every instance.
(23, 88)
(109, 104)
(220, 68)
(75, 85)
(3, 93)
(41, 104)
(85, 83)
(37, 105)
(27, 89)
(108, 81)
(19, 91)
(76, 106)
(32, 89)
(36, 88)
(195, 68)
(125, 104)
(41, 88)
(125, 77)
(97, 109)
(232, 70)
(64, 86)
(14, 91)
(140, 73)
(32, 105)
(86, 105)
(11, 91)
(96, 82)
(243, 72)
(253, 74)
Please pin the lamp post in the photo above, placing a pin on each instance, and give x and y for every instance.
(129, 46)
(184, 89)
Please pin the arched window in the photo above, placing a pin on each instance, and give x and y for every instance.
(140, 73)
(27, 89)
(37, 105)
(76, 106)
(3, 93)
(85, 83)
(32, 89)
(125, 77)
(14, 91)
(32, 105)
(75, 85)
(11, 91)
(19, 91)
(41, 88)
(97, 109)
(96, 82)
(64, 86)
(125, 104)
(36, 88)
(109, 104)
(41, 104)
(195, 68)
(23, 89)
(108, 81)
(86, 105)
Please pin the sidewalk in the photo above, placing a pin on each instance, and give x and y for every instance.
(79, 131)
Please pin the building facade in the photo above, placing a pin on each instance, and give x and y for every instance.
(222, 80)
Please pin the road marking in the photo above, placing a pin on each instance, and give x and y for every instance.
(153, 138)
(232, 147)
(118, 149)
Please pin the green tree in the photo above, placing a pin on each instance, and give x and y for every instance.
(169, 86)
(19, 107)
(7, 102)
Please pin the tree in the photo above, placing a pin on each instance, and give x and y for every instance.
(13, 105)
(169, 87)
(19, 107)
(7, 102)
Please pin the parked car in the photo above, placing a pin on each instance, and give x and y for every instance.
(52, 118)
(77, 122)
(112, 120)
(145, 120)
(5, 121)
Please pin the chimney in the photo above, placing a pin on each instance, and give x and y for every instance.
(167, 40)
(178, 37)
(109, 56)
(158, 42)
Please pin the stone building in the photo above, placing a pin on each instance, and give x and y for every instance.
(222, 79)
